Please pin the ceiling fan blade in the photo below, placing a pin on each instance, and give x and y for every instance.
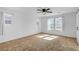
(49, 11)
(39, 10)
(48, 8)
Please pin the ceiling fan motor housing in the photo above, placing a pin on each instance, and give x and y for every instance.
(44, 10)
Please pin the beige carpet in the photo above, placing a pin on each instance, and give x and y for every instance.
(41, 42)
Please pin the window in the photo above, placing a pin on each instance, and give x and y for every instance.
(55, 23)
(58, 23)
(51, 24)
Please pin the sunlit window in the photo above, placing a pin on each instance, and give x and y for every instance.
(55, 23)
(58, 23)
(51, 24)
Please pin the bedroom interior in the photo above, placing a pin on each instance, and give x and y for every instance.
(39, 29)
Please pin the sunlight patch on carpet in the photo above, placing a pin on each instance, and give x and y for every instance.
(41, 36)
(47, 37)
(50, 37)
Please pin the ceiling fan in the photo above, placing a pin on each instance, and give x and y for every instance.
(44, 10)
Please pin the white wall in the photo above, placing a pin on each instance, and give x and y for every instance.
(77, 26)
(69, 24)
(23, 24)
(0, 23)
